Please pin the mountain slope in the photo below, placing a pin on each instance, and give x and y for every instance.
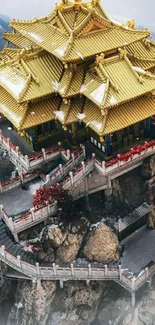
(4, 26)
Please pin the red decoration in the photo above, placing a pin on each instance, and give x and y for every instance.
(46, 196)
(128, 155)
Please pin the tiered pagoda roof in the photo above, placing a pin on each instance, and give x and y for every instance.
(77, 65)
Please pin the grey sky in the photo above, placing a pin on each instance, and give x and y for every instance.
(143, 11)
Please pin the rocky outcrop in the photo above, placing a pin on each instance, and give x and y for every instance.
(48, 256)
(56, 236)
(33, 302)
(68, 251)
(76, 303)
(102, 245)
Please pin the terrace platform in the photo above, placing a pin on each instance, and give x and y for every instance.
(19, 200)
(139, 250)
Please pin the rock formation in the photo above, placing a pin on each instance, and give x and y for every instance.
(56, 236)
(102, 245)
(69, 249)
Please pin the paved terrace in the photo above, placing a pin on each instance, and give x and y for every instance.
(19, 200)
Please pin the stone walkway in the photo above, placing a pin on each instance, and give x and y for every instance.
(19, 200)
(139, 250)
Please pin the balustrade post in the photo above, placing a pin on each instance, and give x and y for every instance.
(22, 178)
(84, 167)
(120, 273)
(48, 179)
(1, 208)
(32, 214)
(48, 209)
(11, 223)
(68, 154)
(119, 162)
(37, 268)
(147, 272)
(8, 143)
(73, 158)
(71, 177)
(19, 261)
(1, 187)
(89, 270)
(54, 269)
(27, 161)
(103, 167)
(3, 251)
(106, 270)
(17, 150)
(72, 269)
(44, 154)
(61, 169)
(83, 149)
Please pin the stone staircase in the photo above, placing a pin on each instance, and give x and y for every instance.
(13, 248)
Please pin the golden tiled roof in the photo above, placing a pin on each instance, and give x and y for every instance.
(44, 35)
(24, 115)
(145, 64)
(125, 82)
(18, 40)
(129, 113)
(71, 81)
(72, 34)
(104, 41)
(36, 75)
(11, 109)
(8, 53)
(143, 48)
(41, 112)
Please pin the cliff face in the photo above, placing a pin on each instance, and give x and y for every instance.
(99, 304)
(47, 304)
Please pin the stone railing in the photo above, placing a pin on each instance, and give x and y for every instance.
(34, 161)
(63, 170)
(134, 155)
(30, 218)
(17, 181)
(89, 272)
(79, 174)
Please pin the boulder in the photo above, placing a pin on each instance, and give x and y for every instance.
(69, 249)
(102, 245)
(47, 256)
(56, 236)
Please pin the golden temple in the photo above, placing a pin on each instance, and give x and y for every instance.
(77, 72)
